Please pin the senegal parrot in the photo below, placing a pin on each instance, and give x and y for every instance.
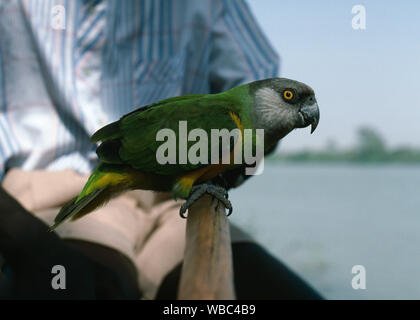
(129, 146)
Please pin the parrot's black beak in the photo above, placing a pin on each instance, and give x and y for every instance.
(310, 114)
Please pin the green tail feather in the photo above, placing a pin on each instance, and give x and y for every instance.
(72, 208)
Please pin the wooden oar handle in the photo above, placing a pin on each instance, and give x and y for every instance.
(207, 271)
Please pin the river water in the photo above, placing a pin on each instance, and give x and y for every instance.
(321, 220)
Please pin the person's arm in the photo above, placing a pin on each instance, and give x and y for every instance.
(240, 51)
(240, 54)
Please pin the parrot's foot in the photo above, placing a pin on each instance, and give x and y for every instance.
(217, 192)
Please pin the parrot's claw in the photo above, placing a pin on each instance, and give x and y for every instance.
(217, 192)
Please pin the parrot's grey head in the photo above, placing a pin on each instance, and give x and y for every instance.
(282, 105)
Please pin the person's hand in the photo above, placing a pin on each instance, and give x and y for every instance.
(30, 252)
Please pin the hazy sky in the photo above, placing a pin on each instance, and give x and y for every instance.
(361, 77)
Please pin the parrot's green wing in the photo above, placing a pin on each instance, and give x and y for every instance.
(132, 139)
(112, 131)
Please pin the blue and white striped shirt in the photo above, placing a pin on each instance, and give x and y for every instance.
(68, 67)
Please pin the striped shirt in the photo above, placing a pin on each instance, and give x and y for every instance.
(68, 67)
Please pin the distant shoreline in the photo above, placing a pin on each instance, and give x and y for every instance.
(371, 148)
(405, 156)
(272, 160)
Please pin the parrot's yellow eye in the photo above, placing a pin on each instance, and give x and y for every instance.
(288, 94)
